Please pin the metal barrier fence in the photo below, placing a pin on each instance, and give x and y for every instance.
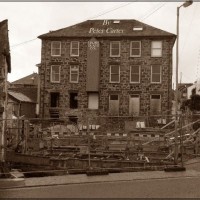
(29, 135)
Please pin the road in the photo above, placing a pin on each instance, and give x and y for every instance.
(151, 188)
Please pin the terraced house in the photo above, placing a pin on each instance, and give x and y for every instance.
(106, 67)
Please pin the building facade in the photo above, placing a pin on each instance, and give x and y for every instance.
(107, 68)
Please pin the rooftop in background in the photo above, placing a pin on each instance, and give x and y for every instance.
(105, 28)
(20, 97)
(181, 86)
(30, 80)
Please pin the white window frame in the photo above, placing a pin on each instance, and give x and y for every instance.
(71, 49)
(53, 81)
(114, 73)
(156, 73)
(135, 73)
(156, 48)
(131, 48)
(114, 42)
(52, 48)
(71, 72)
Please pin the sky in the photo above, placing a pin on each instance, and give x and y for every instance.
(28, 20)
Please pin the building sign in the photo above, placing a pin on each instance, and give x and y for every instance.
(108, 30)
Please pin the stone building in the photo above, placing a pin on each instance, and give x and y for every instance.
(106, 68)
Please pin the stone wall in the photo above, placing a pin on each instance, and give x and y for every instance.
(145, 88)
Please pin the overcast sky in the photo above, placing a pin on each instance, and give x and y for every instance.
(28, 20)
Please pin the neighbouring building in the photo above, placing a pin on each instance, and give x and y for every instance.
(184, 90)
(5, 68)
(22, 97)
(107, 68)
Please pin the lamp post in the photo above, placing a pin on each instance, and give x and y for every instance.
(185, 4)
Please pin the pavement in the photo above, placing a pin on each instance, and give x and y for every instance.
(112, 177)
(192, 170)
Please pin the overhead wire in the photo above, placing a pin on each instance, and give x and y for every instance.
(156, 9)
(98, 15)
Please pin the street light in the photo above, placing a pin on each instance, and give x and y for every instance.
(186, 4)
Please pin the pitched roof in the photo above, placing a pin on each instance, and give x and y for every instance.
(31, 79)
(115, 28)
(31, 93)
(20, 97)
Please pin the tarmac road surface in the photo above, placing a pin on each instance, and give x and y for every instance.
(179, 187)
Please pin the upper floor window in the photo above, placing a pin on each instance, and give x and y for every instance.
(115, 49)
(74, 74)
(135, 49)
(55, 73)
(74, 48)
(56, 48)
(156, 74)
(156, 49)
(134, 74)
(114, 73)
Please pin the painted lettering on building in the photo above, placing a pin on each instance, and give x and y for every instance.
(108, 30)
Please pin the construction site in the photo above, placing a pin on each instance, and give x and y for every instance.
(138, 144)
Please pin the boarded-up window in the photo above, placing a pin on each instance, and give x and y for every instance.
(115, 49)
(93, 100)
(114, 104)
(156, 74)
(134, 74)
(134, 105)
(114, 73)
(135, 49)
(156, 48)
(55, 48)
(74, 48)
(155, 105)
(55, 73)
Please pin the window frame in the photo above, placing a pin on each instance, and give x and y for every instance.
(114, 74)
(135, 73)
(156, 73)
(111, 43)
(55, 48)
(52, 81)
(161, 42)
(131, 48)
(71, 49)
(70, 80)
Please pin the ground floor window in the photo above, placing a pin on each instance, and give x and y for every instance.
(73, 100)
(134, 104)
(114, 104)
(54, 99)
(155, 104)
(93, 100)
